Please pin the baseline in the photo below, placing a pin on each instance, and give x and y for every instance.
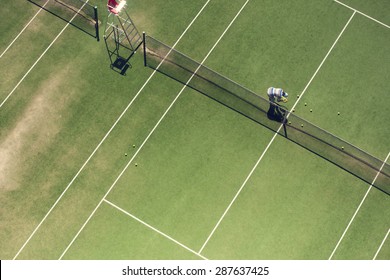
(104, 138)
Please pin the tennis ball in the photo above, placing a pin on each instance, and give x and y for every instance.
(338, 113)
(311, 110)
(301, 125)
(136, 164)
(133, 146)
(298, 96)
(125, 154)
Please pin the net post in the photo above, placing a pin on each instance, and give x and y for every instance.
(144, 46)
(95, 9)
(285, 129)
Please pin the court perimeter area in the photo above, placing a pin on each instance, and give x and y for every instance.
(98, 165)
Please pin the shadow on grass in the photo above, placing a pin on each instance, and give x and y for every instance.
(81, 18)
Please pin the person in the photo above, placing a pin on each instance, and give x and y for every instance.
(278, 94)
(275, 112)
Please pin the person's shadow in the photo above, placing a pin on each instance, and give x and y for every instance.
(276, 113)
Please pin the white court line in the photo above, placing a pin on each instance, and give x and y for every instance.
(151, 132)
(154, 229)
(273, 138)
(363, 14)
(20, 33)
(357, 210)
(104, 138)
(383, 242)
(40, 57)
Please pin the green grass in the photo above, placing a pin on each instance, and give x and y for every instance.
(16, 61)
(347, 84)
(294, 206)
(295, 215)
(198, 175)
(368, 230)
(377, 9)
(123, 238)
(383, 254)
(284, 53)
(99, 96)
(15, 15)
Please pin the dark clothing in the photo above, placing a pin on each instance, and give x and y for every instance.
(276, 113)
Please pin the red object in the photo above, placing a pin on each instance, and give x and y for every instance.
(111, 4)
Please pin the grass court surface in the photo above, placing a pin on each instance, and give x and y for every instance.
(95, 165)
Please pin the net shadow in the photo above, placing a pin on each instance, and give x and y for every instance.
(185, 70)
(78, 14)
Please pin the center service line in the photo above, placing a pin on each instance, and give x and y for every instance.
(153, 228)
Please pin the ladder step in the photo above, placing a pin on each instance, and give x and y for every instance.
(126, 34)
(139, 37)
(131, 33)
(130, 29)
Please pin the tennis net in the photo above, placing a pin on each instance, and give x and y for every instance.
(187, 71)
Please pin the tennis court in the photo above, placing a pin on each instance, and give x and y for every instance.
(97, 165)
